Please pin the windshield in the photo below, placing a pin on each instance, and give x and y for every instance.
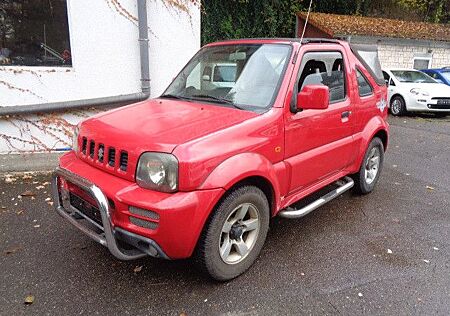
(244, 76)
(412, 76)
(446, 75)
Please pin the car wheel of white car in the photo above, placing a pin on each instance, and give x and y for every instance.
(398, 106)
(235, 233)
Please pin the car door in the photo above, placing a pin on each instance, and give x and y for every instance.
(319, 143)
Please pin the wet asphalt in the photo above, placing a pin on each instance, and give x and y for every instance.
(387, 253)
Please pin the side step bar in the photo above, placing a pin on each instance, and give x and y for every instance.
(344, 184)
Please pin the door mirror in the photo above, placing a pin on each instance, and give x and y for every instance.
(206, 77)
(313, 97)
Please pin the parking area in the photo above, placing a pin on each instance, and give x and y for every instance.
(384, 253)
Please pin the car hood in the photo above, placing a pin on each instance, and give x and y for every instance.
(160, 124)
(434, 89)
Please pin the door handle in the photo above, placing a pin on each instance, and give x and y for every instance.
(346, 114)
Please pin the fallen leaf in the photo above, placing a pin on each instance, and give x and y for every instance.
(3, 207)
(389, 251)
(426, 261)
(46, 183)
(19, 212)
(29, 300)
(39, 187)
(37, 226)
(138, 269)
(27, 193)
(360, 294)
(50, 203)
(12, 250)
(429, 188)
(395, 166)
(435, 248)
(48, 199)
(183, 314)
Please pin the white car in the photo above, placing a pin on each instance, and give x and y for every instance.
(411, 90)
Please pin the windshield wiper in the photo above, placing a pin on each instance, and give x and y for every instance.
(211, 97)
(218, 99)
(173, 96)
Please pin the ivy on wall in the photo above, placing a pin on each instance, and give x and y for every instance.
(276, 18)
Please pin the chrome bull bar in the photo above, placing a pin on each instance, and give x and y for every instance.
(108, 237)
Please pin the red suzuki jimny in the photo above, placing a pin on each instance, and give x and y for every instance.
(246, 129)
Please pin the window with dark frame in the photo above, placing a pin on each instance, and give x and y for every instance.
(324, 68)
(34, 33)
(364, 87)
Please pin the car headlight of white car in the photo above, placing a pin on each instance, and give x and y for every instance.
(418, 91)
(158, 171)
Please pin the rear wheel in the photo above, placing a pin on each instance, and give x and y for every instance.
(398, 106)
(234, 235)
(369, 172)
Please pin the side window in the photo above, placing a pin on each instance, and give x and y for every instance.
(392, 83)
(364, 86)
(324, 68)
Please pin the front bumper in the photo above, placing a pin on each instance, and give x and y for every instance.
(106, 235)
(426, 104)
(181, 215)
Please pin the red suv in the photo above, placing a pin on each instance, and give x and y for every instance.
(200, 170)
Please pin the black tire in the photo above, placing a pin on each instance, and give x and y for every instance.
(208, 255)
(397, 106)
(363, 185)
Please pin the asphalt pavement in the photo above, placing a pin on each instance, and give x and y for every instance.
(387, 253)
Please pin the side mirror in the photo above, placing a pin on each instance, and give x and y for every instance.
(206, 77)
(313, 97)
(386, 82)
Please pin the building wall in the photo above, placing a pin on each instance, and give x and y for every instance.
(395, 56)
(400, 53)
(105, 62)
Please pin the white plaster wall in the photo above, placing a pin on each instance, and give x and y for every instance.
(401, 56)
(105, 62)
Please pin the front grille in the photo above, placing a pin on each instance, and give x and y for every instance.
(440, 106)
(101, 153)
(123, 160)
(91, 149)
(111, 157)
(144, 213)
(84, 145)
(150, 221)
(85, 207)
(144, 224)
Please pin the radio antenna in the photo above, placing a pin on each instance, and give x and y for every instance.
(306, 21)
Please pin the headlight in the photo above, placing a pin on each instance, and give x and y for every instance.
(76, 131)
(158, 171)
(417, 91)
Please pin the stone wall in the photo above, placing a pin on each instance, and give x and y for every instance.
(400, 53)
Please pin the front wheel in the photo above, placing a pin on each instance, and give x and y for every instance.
(234, 235)
(371, 167)
(398, 106)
